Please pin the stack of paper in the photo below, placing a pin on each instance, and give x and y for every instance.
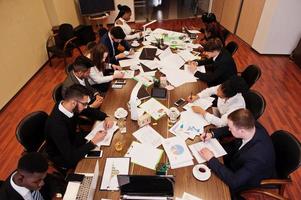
(148, 135)
(154, 108)
(177, 152)
(99, 127)
(144, 155)
(213, 145)
(204, 103)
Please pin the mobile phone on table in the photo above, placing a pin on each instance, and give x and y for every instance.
(117, 86)
(179, 102)
(94, 154)
(120, 81)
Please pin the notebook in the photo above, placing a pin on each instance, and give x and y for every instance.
(148, 54)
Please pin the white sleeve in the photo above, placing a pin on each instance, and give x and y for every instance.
(208, 92)
(219, 122)
(132, 36)
(98, 76)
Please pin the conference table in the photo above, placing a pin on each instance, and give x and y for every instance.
(213, 188)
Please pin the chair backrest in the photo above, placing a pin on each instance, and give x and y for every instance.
(255, 102)
(288, 152)
(232, 47)
(68, 68)
(251, 74)
(57, 93)
(30, 131)
(65, 32)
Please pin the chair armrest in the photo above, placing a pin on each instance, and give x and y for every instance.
(275, 181)
(69, 41)
(264, 193)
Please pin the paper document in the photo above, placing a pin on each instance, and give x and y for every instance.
(172, 61)
(151, 64)
(148, 135)
(114, 167)
(144, 155)
(178, 77)
(212, 144)
(154, 108)
(201, 68)
(204, 103)
(193, 118)
(177, 152)
(99, 127)
(128, 62)
(186, 55)
(145, 79)
(128, 74)
(186, 129)
(187, 196)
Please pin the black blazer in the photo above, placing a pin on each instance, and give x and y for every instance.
(50, 188)
(217, 71)
(107, 42)
(65, 146)
(246, 167)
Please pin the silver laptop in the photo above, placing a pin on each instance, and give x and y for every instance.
(84, 190)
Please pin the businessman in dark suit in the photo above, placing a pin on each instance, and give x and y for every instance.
(111, 40)
(30, 180)
(66, 145)
(250, 157)
(219, 64)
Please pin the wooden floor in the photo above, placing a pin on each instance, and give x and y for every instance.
(279, 83)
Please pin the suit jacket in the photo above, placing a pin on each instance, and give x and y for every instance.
(71, 80)
(50, 188)
(107, 42)
(217, 71)
(246, 167)
(65, 146)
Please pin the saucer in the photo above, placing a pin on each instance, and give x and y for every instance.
(201, 176)
(135, 44)
(120, 113)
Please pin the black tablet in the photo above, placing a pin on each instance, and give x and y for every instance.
(159, 93)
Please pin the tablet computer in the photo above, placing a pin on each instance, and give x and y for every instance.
(160, 93)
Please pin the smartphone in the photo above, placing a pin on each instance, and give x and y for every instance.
(179, 102)
(117, 86)
(74, 177)
(94, 154)
(120, 81)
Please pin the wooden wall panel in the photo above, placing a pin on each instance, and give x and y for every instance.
(249, 19)
(230, 14)
(217, 8)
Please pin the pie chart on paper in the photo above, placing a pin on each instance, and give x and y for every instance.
(177, 149)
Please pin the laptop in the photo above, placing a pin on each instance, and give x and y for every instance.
(148, 54)
(83, 190)
(146, 187)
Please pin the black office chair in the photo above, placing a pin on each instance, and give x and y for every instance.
(30, 131)
(288, 159)
(255, 102)
(68, 68)
(232, 47)
(251, 74)
(62, 44)
(57, 93)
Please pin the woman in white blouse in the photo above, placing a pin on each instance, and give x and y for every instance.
(102, 73)
(123, 16)
(229, 99)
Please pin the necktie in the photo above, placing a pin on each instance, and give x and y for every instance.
(36, 195)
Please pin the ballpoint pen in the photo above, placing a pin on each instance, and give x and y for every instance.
(191, 96)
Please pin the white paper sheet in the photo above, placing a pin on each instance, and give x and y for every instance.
(201, 68)
(99, 127)
(144, 155)
(128, 74)
(186, 129)
(187, 196)
(172, 61)
(177, 152)
(178, 77)
(193, 118)
(213, 145)
(154, 108)
(145, 79)
(128, 62)
(186, 55)
(114, 167)
(204, 103)
(148, 135)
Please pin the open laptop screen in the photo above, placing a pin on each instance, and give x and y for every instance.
(146, 185)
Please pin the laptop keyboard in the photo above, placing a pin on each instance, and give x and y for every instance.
(84, 188)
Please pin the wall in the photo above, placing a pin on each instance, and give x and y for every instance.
(279, 29)
(25, 28)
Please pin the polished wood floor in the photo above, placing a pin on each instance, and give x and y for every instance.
(279, 83)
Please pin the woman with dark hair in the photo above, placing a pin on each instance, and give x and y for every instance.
(123, 16)
(229, 99)
(99, 77)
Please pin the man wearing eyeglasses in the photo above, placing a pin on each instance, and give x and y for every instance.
(64, 144)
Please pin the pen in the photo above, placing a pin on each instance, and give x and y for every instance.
(205, 137)
(191, 96)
